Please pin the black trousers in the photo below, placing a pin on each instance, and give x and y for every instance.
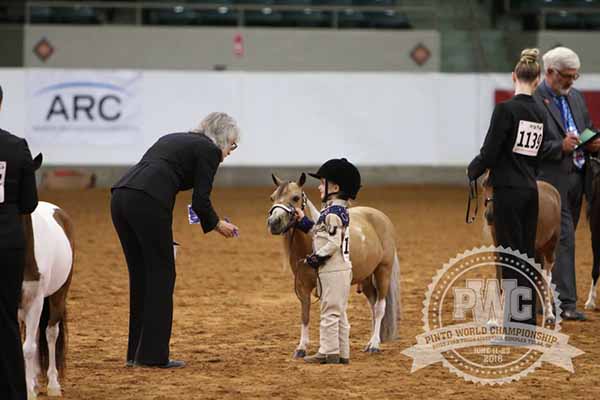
(144, 227)
(563, 274)
(515, 223)
(12, 367)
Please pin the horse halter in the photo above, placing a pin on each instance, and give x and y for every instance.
(290, 210)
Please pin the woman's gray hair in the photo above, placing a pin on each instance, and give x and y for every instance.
(560, 58)
(220, 127)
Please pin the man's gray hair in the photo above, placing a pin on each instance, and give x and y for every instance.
(220, 127)
(560, 58)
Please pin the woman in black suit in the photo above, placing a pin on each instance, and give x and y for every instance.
(18, 196)
(142, 207)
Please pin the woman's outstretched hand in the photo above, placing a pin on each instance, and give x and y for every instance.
(227, 229)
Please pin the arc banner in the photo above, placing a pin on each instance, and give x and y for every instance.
(83, 107)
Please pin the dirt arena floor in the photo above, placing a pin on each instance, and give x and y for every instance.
(236, 320)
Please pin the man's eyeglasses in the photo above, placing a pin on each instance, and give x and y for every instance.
(233, 146)
(573, 77)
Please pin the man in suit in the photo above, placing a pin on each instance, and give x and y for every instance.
(562, 165)
(142, 207)
(18, 196)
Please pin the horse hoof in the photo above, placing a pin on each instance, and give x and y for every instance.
(54, 392)
(590, 306)
(372, 350)
(300, 353)
(550, 320)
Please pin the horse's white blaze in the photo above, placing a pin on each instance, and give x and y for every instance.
(590, 304)
(51, 337)
(277, 214)
(53, 252)
(304, 338)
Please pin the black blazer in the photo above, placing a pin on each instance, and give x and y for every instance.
(176, 162)
(20, 192)
(555, 165)
(510, 153)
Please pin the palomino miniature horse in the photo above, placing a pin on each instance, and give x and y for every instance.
(43, 309)
(548, 227)
(375, 264)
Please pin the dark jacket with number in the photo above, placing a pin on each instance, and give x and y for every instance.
(556, 165)
(176, 162)
(511, 149)
(18, 192)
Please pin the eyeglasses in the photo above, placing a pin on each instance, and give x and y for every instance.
(233, 146)
(573, 77)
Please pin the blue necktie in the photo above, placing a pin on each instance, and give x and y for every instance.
(569, 124)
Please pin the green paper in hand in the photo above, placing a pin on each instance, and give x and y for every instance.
(585, 137)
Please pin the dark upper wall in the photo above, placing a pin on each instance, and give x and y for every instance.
(11, 45)
(264, 49)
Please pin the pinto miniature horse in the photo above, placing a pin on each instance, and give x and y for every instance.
(43, 308)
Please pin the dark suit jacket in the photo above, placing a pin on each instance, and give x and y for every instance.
(510, 168)
(556, 165)
(20, 192)
(176, 162)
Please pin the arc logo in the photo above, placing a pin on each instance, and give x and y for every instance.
(82, 104)
(93, 107)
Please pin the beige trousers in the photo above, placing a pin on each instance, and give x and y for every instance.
(334, 327)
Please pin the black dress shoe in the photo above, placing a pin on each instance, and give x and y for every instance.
(573, 315)
(169, 364)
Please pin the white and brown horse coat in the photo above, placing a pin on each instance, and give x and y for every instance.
(47, 277)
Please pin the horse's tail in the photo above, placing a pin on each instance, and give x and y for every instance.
(61, 341)
(393, 309)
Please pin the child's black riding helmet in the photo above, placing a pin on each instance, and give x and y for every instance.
(341, 172)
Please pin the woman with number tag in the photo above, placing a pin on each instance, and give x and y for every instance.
(511, 151)
(18, 196)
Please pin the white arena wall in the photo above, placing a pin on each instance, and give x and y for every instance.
(398, 127)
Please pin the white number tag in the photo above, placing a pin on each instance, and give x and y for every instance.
(529, 138)
(346, 244)
(2, 179)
